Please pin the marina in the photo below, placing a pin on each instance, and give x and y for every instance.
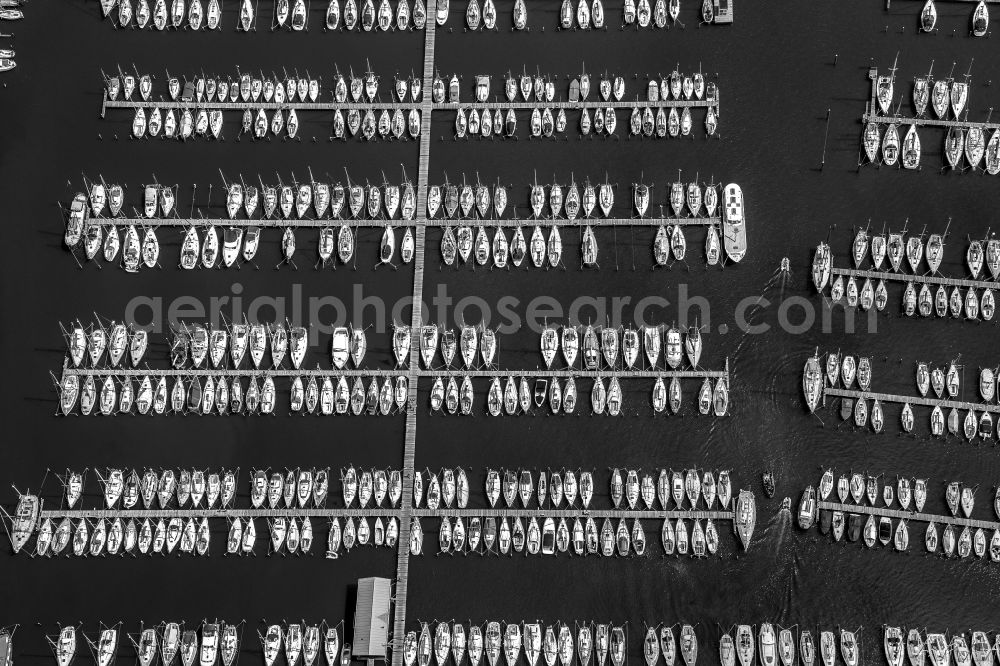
(431, 358)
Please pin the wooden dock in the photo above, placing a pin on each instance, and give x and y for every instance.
(416, 319)
(977, 407)
(384, 512)
(899, 514)
(916, 279)
(415, 372)
(426, 107)
(871, 113)
(230, 372)
(246, 514)
(405, 107)
(578, 374)
(214, 105)
(555, 105)
(596, 514)
(304, 223)
(274, 223)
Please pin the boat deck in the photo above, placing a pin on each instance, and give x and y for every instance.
(909, 515)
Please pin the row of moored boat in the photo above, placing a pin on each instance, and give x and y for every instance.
(220, 393)
(319, 200)
(438, 644)
(600, 346)
(513, 396)
(857, 487)
(980, 18)
(955, 538)
(368, 16)
(10, 10)
(540, 88)
(948, 98)
(628, 489)
(542, 535)
(470, 121)
(925, 301)
(195, 489)
(171, 642)
(814, 382)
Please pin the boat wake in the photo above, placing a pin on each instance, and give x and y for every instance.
(780, 275)
(778, 531)
(781, 556)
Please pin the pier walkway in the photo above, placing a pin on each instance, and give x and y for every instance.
(413, 374)
(555, 105)
(900, 514)
(917, 279)
(297, 223)
(386, 512)
(426, 107)
(912, 400)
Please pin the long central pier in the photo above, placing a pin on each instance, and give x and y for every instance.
(416, 320)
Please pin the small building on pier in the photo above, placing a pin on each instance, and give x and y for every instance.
(371, 618)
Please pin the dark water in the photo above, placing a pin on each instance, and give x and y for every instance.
(778, 80)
